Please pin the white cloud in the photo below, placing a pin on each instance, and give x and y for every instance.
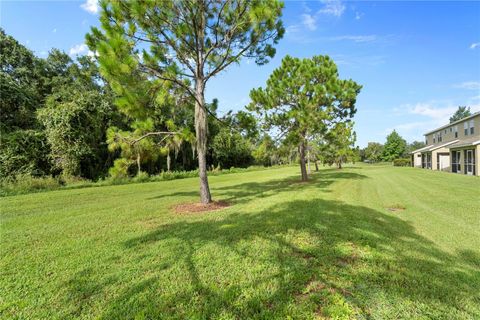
(469, 85)
(361, 38)
(475, 45)
(309, 21)
(90, 6)
(430, 111)
(80, 49)
(54, 30)
(358, 15)
(333, 7)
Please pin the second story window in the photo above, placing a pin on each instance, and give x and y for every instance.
(465, 128)
(455, 129)
(472, 129)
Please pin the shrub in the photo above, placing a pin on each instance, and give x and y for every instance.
(402, 162)
(26, 184)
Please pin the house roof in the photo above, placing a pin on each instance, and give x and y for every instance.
(465, 143)
(453, 123)
(421, 149)
(436, 146)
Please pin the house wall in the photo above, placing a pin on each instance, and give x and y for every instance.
(448, 133)
(417, 160)
(434, 157)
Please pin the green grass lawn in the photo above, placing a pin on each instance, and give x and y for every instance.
(329, 248)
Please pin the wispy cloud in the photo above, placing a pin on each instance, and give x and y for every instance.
(80, 49)
(54, 30)
(332, 7)
(469, 85)
(309, 21)
(475, 45)
(427, 109)
(359, 60)
(358, 38)
(358, 15)
(90, 6)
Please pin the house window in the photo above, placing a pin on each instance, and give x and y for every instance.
(451, 129)
(455, 129)
(472, 129)
(456, 167)
(433, 139)
(465, 128)
(445, 131)
(469, 159)
(426, 140)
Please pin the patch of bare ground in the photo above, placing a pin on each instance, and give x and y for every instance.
(196, 207)
(396, 208)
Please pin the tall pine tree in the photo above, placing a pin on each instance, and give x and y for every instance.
(144, 45)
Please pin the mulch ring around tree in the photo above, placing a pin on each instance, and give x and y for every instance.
(197, 207)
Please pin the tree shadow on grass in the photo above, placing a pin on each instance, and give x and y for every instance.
(301, 258)
(245, 192)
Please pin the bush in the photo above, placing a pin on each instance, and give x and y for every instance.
(26, 184)
(402, 162)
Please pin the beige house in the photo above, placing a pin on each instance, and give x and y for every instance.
(454, 147)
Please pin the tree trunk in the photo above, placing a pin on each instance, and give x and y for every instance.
(316, 166)
(201, 135)
(169, 160)
(308, 161)
(303, 168)
(138, 164)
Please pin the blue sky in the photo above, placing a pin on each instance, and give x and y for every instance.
(417, 61)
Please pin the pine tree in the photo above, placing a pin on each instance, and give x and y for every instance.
(145, 45)
(304, 98)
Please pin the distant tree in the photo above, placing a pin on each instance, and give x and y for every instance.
(230, 149)
(338, 145)
(395, 147)
(303, 98)
(373, 152)
(265, 153)
(185, 43)
(462, 112)
(75, 115)
(415, 145)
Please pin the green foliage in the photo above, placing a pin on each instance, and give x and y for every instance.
(230, 149)
(25, 183)
(394, 148)
(20, 82)
(462, 112)
(74, 123)
(266, 153)
(373, 152)
(120, 168)
(415, 145)
(338, 145)
(403, 162)
(23, 152)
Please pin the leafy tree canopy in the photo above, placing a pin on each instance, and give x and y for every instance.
(395, 147)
